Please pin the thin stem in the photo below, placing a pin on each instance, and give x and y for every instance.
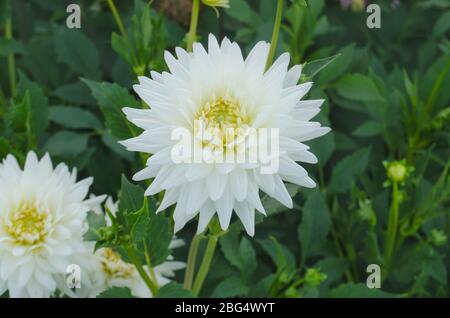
(117, 18)
(137, 263)
(11, 63)
(190, 267)
(193, 25)
(275, 33)
(137, 68)
(335, 237)
(150, 267)
(205, 265)
(392, 225)
(340, 252)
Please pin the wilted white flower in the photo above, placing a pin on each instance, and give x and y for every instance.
(42, 222)
(218, 94)
(118, 273)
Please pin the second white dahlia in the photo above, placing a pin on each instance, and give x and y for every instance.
(42, 222)
(221, 98)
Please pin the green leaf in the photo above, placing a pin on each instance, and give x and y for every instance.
(41, 62)
(229, 244)
(18, 115)
(301, 3)
(442, 25)
(262, 288)
(281, 256)
(174, 290)
(433, 264)
(120, 45)
(323, 148)
(5, 10)
(74, 93)
(131, 197)
(66, 143)
(76, 50)
(230, 287)
(242, 255)
(72, 117)
(347, 169)
(10, 46)
(141, 223)
(116, 292)
(5, 147)
(315, 224)
(359, 290)
(248, 257)
(368, 129)
(339, 66)
(38, 104)
(311, 69)
(112, 98)
(151, 233)
(95, 222)
(359, 88)
(157, 239)
(113, 144)
(241, 11)
(333, 267)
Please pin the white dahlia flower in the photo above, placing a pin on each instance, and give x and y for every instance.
(221, 99)
(118, 273)
(42, 222)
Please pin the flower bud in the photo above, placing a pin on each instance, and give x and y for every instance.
(438, 237)
(314, 277)
(217, 3)
(397, 171)
(358, 5)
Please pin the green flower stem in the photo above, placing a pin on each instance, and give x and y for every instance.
(11, 63)
(150, 267)
(117, 18)
(137, 263)
(136, 65)
(190, 267)
(392, 225)
(275, 33)
(205, 265)
(193, 25)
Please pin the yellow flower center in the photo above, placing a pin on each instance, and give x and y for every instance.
(222, 122)
(113, 265)
(27, 224)
(222, 113)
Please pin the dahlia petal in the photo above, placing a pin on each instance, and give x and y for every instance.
(293, 76)
(206, 213)
(170, 197)
(247, 217)
(238, 184)
(224, 207)
(216, 184)
(319, 131)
